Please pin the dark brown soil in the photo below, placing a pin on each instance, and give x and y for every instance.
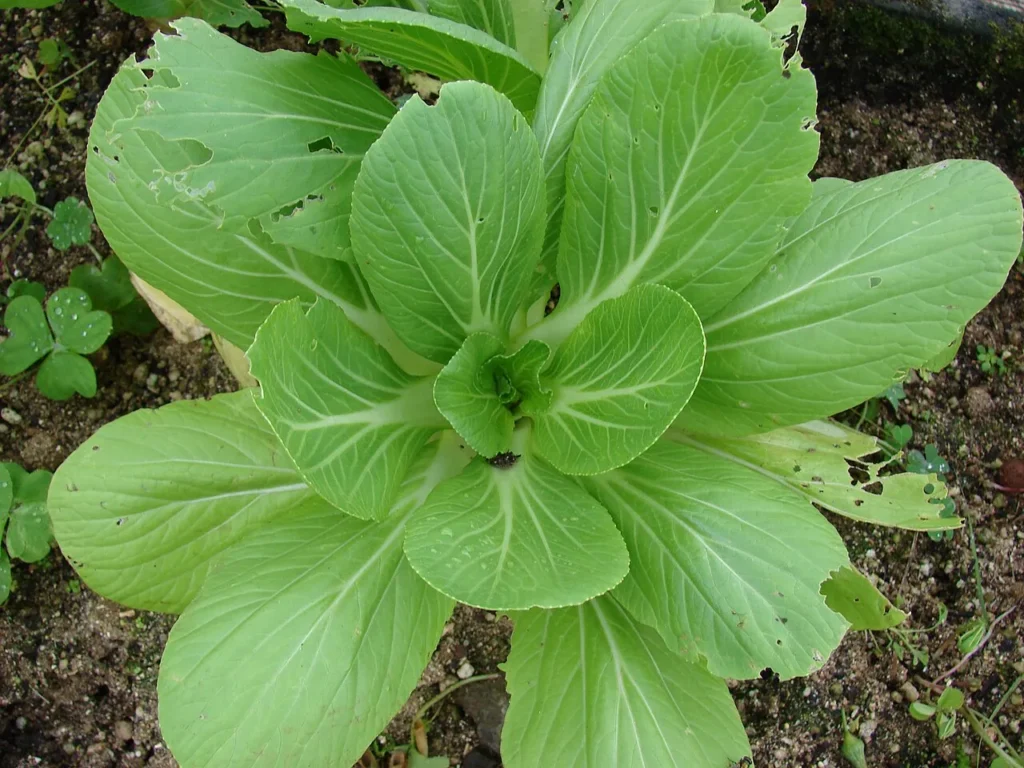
(77, 673)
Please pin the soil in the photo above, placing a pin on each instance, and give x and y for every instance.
(78, 673)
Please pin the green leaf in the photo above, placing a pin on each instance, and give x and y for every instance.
(28, 337)
(448, 242)
(5, 574)
(27, 288)
(853, 749)
(786, 16)
(71, 224)
(29, 487)
(51, 52)
(951, 699)
(912, 256)
(6, 495)
(591, 686)
(601, 33)
(13, 184)
(491, 16)
(111, 290)
(724, 563)
(228, 278)
(65, 373)
(76, 325)
(620, 380)
(829, 463)
(144, 505)
(514, 537)
(438, 46)
(7, 4)
(219, 13)
(687, 164)
(313, 626)
(465, 393)
(28, 531)
(849, 593)
(921, 711)
(292, 125)
(352, 420)
(971, 635)
(416, 760)
(945, 357)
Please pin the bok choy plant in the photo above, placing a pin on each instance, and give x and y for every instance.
(637, 478)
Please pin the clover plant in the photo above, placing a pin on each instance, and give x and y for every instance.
(636, 478)
(24, 524)
(60, 337)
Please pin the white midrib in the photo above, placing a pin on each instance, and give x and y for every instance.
(556, 327)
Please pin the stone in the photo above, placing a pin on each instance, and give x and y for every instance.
(123, 730)
(979, 402)
(486, 703)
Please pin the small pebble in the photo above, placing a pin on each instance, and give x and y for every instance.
(910, 692)
(465, 671)
(123, 730)
(20, 723)
(10, 415)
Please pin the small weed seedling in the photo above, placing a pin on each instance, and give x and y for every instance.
(990, 361)
(25, 531)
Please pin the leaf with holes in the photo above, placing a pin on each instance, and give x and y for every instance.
(851, 594)
(726, 564)
(830, 464)
(594, 275)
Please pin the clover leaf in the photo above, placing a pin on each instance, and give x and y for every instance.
(71, 225)
(28, 337)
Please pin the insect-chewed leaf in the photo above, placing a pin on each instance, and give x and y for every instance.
(619, 380)
(219, 13)
(447, 218)
(292, 125)
(686, 165)
(230, 278)
(313, 625)
(349, 417)
(514, 537)
(495, 17)
(439, 46)
(602, 31)
(815, 459)
(28, 336)
(724, 563)
(591, 686)
(849, 593)
(871, 280)
(144, 505)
